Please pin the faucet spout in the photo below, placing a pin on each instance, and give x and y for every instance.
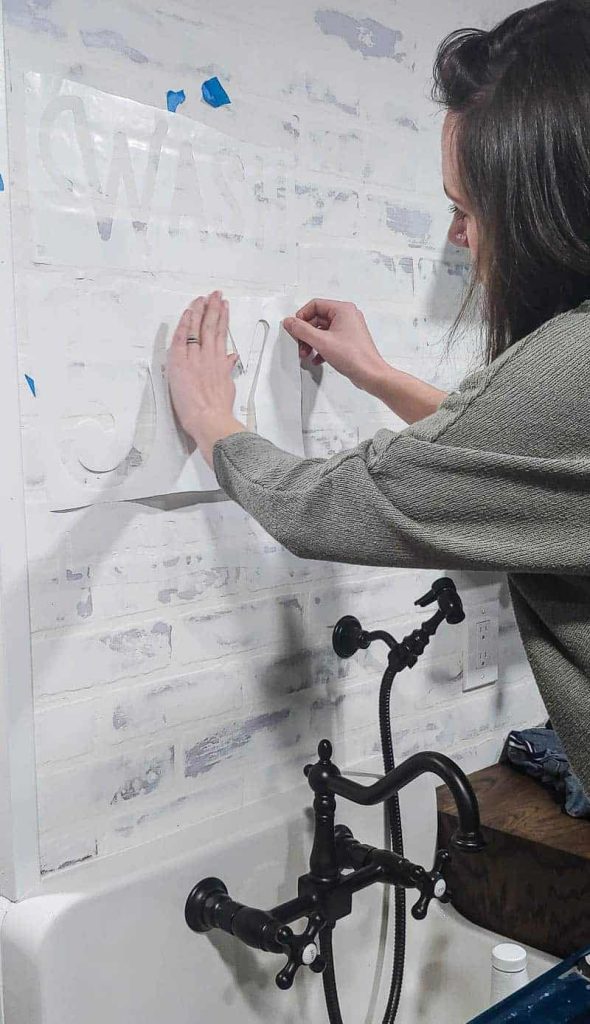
(468, 836)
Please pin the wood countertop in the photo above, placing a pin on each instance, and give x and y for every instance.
(532, 882)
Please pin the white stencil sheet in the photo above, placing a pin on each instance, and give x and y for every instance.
(109, 432)
(116, 185)
(119, 184)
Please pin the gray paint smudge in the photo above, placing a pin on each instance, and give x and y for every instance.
(414, 224)
(159, 690)
(138, 641)
(139, 784)
(84, 608)
(70, 863)
(369, 37)
(285, 603)
(214, 579)
(327, 96)
(209, 71)
(146, 783)
(106, 39)
(105, 227)
(291, 129)
(208, 752)
(120, 720)
(333, 194)
(259, 193)
(153, 814)
(382, 259)
(406, 122)
(162, 627)
(458, 270)
(71, 576)
(188, 594)
(328, 702)
(178, 17)
(305, 190)
(26, 14)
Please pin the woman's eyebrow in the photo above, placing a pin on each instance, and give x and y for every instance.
(449, 195)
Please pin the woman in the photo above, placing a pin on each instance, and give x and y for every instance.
(496, 475)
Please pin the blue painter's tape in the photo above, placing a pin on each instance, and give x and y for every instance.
(213, 93)
(31, 384)
(1, 184)
(174, 99)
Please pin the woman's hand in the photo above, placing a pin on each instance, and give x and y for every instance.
(199, 374)
(338, 334)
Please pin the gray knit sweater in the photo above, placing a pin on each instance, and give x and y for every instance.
(498, 478)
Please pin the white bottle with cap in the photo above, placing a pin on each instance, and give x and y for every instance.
(509, 970)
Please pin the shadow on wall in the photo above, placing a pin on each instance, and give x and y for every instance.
(441, 299)
(251, 973)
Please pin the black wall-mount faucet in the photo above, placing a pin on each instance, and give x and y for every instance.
(325, 892)
(339, 865)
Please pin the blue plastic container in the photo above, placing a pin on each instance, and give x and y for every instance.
(560, 996)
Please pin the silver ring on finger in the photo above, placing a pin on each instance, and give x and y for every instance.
(191, 340)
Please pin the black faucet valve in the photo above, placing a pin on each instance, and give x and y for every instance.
(432, 885)
(303, 951)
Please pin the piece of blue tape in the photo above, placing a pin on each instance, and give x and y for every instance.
(1, 184)
(30, 381)
(213, 93)
(174, 99)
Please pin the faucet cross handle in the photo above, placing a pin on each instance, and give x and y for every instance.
(303, 951)
(432, 886)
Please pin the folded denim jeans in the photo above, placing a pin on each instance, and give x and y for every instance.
(540, 753)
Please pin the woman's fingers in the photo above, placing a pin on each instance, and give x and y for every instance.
(222, 328)
(203, 327)
(304, 332)
(210, 321)
(324, 308)
(178, 348)
(197, 309)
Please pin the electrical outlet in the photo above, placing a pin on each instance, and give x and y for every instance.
(483, 643)
(480, 653)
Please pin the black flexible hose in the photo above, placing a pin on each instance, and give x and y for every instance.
(328, 976)
(397, 845)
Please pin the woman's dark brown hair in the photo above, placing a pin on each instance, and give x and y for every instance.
(522, 96)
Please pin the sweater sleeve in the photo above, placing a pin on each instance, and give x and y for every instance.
(466, 488)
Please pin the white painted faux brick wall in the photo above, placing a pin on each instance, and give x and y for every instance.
(182, 659)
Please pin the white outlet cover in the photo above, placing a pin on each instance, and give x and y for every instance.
(481, 645)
